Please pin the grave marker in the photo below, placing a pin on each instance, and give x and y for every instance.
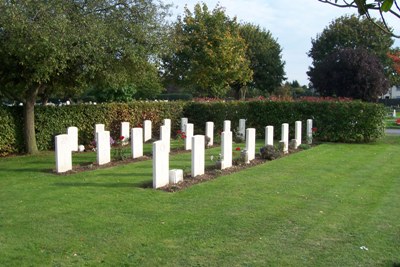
(198, 155)
(285, 137)
(125, 132)
(103, 147)
(184, 121)
(147, 134)
(137, 142)
(227, 126)
(189, 135)
(269, 135)
(242, 129)
(250, 144)
(309, 131)
(73, 137)
(226, 147)
(297, 134)
(63, 153)
(160, 164)
(210, 133)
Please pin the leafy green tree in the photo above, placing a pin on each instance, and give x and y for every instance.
(353, 32)
(355, 73)
(61, 47)
(209, 55)
(264, 53)
(383, 7)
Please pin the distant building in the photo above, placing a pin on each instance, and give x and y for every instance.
(393, 93)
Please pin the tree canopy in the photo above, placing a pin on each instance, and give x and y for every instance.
(209, 55)
(265, 57)
(353, 32)
(384, 8)
(64, 46)
(348, 72)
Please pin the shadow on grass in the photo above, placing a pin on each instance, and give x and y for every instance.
(143, 184)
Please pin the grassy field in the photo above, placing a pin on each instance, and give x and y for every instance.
(333, 205)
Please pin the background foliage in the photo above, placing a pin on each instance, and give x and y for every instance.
(359, 122)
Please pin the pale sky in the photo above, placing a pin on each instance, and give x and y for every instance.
(292, 22)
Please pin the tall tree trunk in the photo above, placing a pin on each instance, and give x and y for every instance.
(29, 121)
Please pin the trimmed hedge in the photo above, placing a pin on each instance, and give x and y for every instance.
(336, 121)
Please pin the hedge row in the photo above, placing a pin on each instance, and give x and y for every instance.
(335, 121)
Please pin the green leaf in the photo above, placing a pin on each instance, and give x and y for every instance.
(387, 5)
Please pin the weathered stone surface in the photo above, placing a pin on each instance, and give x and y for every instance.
(103, 147)
(285, 137)
(125, 131)
(175, 176)
(63, 153)
(297, 133)
(309, 131)
(198, 155)
(147, 131)
(210, 132)
(227, 126)
(250, 144)
(189, 135)
(184, 121)
(73, 137)
(160, 164)
(165, 136)
(269, 135)
(226, 150)
(98, 128)
(137, 142)
(242, 129)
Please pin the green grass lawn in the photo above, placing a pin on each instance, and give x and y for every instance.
(313, 208)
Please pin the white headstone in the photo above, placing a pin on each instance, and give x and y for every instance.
(226, 147)
(269, 135)
(160, 164)
(309, 131)
(297, 133)
(227, 126)
(98, 128)
(167, 123)
(125, 131)
(165, 136)
(210, 132)
(175, 176)
(73, 138)
(189, 135)
(242, 129)
(394, 113)
(147, 130)
(198, 155)
(137, 142)
(184, 121)
(103, 147)
(251, 144)
(285, 137)
(63, 153)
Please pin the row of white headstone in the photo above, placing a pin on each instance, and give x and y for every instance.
(66, 143)
(162, 176)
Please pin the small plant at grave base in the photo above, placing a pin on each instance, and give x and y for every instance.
(304, 146)
(180, 136)
(217, 160)
(269, 152)
(239, 156)
(293, 144)
(119, 150)
(398, 121)
(207, 141)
